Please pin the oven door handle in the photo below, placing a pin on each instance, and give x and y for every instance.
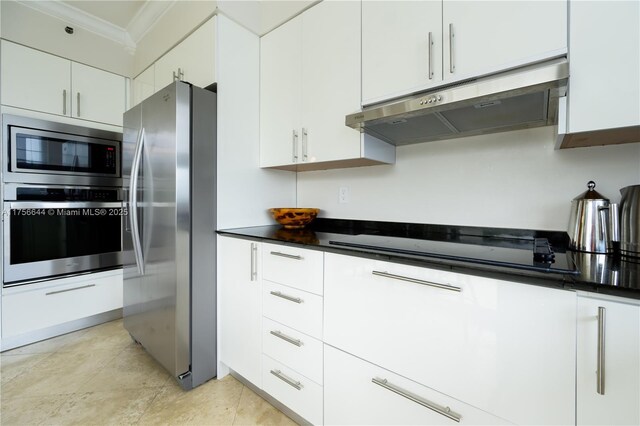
(133, 203)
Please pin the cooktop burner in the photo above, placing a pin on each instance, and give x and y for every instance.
(533, 255)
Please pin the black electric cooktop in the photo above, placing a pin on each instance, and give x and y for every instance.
(532, 255)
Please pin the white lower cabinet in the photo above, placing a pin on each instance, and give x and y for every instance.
(296, 308)
(615, 363)
(294, 390)
(505, 348)
(240, 313)
(358, 392)
(33, 307)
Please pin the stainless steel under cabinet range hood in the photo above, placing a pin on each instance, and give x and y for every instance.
(517, 99)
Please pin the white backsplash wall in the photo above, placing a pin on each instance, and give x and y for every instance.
(507, 180)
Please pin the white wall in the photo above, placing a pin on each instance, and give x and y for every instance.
(24, 25)
(509, 180)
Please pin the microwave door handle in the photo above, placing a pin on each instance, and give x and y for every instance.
(133, 202)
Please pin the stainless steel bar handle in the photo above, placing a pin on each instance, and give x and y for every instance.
(180, 74)
(294, 142)
(288, 256)
(286, 379)
(125, 205)
(416, 281)
(133, 202)
(601, 346)
(305, 143)
(254, 266)
(78, 104)
(444, 411)
(69, 289)
(452, 66)
(175, 76)
(64, 102)
(279, 334)
(286, 297)
(430, 55)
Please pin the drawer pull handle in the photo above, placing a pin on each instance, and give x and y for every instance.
(284, 296)
(601, 345)
(279, 334)
(444, 411)
(416, 281)
(286, 379)
(69, 289)
(288, 256)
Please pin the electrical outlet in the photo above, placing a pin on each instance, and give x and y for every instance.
(343, 195)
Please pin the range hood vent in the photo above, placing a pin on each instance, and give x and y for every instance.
(518, 99)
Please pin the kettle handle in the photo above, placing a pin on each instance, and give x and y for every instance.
(614, 223)
(603, 223)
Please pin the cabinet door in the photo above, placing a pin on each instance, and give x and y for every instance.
(193, 60)
(505, 348)
(355, 393)
(619, 402)
(396, 58)
(35, 80)
(492, 35)
(330, 81)
(143, 85)
(240, 308)
(605, 48)
(97, 95)
(280, 94)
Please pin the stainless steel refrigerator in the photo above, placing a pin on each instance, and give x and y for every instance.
(169, 176)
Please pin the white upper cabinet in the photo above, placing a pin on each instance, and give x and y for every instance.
(35, 80)
(280, 94)
(486, 37)
(193, 60)
(330, 81)
(97, 95)
(42, 82)
(143, 85)
(396, 51)
(616, 363)
(310, 80)
(604, 62)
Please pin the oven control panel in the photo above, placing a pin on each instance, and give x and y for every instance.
(24, 193)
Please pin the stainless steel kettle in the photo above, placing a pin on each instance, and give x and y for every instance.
(630, 221)
(593, 223)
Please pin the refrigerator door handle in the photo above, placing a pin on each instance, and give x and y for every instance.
(133, 203)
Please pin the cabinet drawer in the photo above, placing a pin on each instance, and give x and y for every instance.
(293, 266)
(487, 344)
(295, 308)
(36, 306)
(292, 389)
(357, 392)
(296, 350)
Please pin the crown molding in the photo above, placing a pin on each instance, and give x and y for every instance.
(141, 23)
(146, 18)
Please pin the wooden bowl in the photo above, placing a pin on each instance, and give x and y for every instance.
(294, 218)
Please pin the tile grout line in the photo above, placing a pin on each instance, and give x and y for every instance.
(235, 414)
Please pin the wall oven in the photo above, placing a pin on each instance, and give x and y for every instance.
(62, 200)
(51, 231)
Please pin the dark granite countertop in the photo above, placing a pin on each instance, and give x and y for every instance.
(604, 274)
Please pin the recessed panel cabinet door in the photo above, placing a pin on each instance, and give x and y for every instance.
(617, 365)
(35, 80)
(97, 95)
(143, 85)
(396, 56)
(330, 80)
(280, 79)
(492, 35)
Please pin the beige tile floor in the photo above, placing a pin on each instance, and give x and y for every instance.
(99, 376)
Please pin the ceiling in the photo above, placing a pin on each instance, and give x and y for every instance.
(118, 12)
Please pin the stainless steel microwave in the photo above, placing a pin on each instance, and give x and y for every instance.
(45, 152)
